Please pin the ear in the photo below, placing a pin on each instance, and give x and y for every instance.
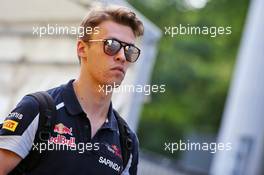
(81, 49)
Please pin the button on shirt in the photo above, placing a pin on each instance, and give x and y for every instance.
(71, 150)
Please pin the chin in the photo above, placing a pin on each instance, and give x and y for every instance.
(114, 83)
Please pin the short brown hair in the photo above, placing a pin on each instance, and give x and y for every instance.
(117, 14)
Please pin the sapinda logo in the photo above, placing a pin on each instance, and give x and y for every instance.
(109, 163)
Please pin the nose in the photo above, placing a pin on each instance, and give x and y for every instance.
(120, 56)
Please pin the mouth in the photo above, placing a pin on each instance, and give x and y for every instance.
(119, 68)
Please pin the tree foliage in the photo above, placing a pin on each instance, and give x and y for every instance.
(196, 69)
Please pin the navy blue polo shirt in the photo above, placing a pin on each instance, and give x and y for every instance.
(71, 150)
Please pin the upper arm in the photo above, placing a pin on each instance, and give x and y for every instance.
(8, 161)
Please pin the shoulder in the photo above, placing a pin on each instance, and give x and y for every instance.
(20, 117)
(134, 138)
(19, 127)
(132, 135)
(131, 167)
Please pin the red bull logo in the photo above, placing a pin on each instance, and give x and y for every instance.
(60, 139)
(62, 129)
(115, 150)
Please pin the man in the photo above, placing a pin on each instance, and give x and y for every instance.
(84, 111)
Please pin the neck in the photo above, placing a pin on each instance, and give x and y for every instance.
(95, 103)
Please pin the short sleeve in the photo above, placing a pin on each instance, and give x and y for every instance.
(17, 132)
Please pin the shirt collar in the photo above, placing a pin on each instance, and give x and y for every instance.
(74, 108)
(70, 100)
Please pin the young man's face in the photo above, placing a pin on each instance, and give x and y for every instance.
(102, 68)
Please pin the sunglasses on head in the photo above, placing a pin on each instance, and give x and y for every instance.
(113, 46)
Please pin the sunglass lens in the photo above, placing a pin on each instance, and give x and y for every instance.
(112, 47)
(131, 53)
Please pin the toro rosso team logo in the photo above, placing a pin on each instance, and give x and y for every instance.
(62, 129)
(115, 150)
